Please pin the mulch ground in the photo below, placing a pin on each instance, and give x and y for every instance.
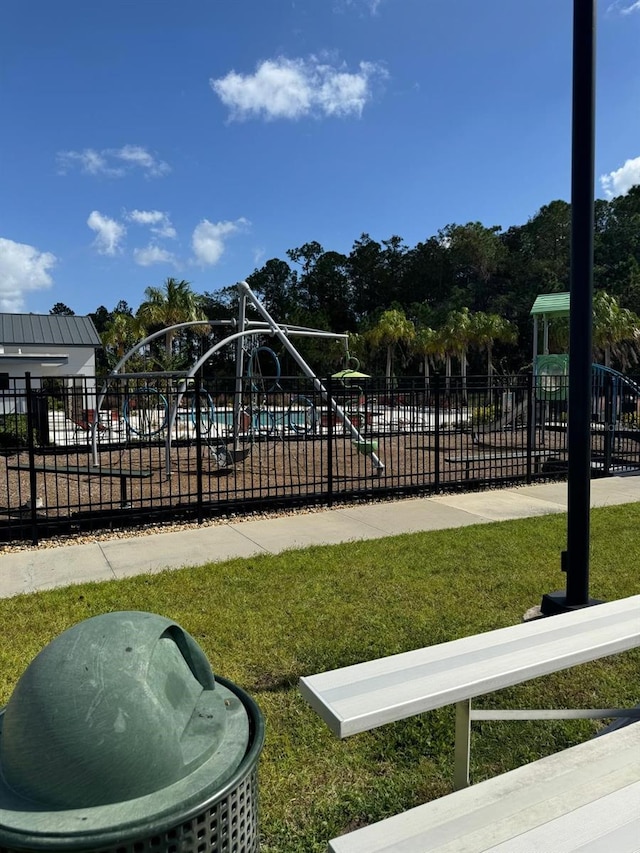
(298, 469)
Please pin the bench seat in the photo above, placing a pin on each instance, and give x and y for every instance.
(586, 799)
(538, 457)
(489, 456)
(123, 474)
(131, 473)
(367, 695)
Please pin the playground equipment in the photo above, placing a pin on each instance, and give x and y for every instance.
(259, 417)
(161, 415)
(258, 379)
(614, 395)
(145, 411)
(552, 376)
(623, 394)
(611, 392)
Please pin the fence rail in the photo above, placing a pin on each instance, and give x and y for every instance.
(156, 452)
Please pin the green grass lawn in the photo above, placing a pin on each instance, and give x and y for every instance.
(266, 620)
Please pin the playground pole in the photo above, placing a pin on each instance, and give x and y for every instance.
(281, 333)
(575, 560)
(237, 398)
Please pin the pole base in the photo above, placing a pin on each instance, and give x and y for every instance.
(556, 602)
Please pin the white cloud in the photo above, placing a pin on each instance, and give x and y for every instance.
(109, 233)
(293, 88)
(153, 254)
(370, 5)
(22, 268)
(621, 180)
(208, 239)
(112, 162)
(625, 7)
(156, 220)
(89, 161)
(138, 156)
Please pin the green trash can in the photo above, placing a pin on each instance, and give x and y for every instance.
(118, 738)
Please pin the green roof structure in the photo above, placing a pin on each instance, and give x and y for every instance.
(552, 304)
(548, 306)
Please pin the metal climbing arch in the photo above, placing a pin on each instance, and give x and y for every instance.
(159, 419)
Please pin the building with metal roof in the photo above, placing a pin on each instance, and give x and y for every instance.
(47, 346)
(47, 329)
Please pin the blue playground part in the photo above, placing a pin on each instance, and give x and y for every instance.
(207, 410)
(302, 416)
(146, 401)
(255, 373)
(618, 382)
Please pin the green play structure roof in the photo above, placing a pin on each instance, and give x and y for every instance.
(556, 304)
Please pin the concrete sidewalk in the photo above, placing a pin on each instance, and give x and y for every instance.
(109, 559)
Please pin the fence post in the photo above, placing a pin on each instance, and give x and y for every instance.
(33, 495)
(196, 392)
(436, 385)
(329, 387)
(531, 425)
(609, 421)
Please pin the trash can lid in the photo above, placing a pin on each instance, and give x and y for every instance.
(119, 716)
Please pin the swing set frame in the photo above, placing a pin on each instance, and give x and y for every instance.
(243, 330)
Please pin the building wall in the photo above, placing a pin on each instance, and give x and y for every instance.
(77, 371)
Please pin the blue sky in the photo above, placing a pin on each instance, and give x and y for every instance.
(199, 138)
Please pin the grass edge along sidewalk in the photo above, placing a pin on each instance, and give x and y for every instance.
(266, 620)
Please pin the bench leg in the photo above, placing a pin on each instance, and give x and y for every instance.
(463, 745)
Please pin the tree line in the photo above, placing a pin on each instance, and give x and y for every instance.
(462, 296)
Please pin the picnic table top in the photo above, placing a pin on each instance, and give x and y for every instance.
(499, 454)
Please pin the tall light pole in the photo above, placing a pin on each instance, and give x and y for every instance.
(575, 560)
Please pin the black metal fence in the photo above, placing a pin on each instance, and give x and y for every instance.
(157, 451)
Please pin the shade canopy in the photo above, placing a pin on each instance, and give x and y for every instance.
(552, 304)
(350, 374)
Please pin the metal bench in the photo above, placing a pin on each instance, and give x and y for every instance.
(123, 473)
(586, 799)
(538, 457)
(368, 695)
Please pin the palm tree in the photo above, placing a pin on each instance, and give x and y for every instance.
(173, 303)
(393, 328)
(458, 336)
(616, 330)
(489, 329)
(428, 344)
(121, 333)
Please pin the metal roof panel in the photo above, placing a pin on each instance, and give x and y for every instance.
(57, 329)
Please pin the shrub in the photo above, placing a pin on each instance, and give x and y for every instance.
(13, 431)
(484, 414)
(630, 420)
